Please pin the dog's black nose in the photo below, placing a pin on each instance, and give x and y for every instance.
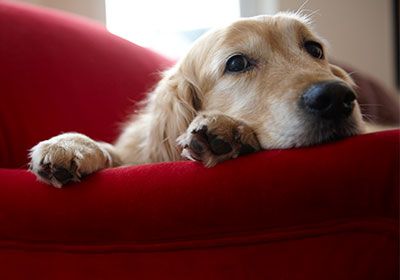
(329, 100)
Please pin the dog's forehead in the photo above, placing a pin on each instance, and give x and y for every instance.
(280, 28)
(258, 38)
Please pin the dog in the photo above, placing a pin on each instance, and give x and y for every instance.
(259, 83)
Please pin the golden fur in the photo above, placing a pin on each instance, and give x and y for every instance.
(257, 108)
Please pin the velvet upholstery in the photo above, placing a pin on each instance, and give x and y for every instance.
(325, 212)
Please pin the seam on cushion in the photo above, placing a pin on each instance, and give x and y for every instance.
(388, 228)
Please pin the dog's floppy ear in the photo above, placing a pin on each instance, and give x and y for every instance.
(173, 105)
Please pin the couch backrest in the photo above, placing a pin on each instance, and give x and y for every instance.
(62, 73)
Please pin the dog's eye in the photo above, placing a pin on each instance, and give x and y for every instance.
(237, 63)
(314, 49)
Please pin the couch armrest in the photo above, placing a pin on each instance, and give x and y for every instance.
(62, 73)
(347, 187)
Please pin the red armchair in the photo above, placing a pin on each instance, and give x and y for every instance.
(327, 212)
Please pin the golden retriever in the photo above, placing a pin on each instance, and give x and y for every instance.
(259, 83)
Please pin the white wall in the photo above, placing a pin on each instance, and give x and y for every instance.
(250, 8)
(359, 31)
(94, 9)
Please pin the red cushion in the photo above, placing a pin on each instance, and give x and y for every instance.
(59, 73)
(327, 212)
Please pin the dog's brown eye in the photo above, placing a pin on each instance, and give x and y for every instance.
(237, 63)
(314, 49)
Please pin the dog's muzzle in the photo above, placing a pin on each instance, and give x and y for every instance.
(330, 100)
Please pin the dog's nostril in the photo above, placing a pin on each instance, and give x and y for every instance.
(329, 100)
(318, 101)
(349, 97)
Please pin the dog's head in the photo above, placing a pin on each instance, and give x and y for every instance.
(273, 73)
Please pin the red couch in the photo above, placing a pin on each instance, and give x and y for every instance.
(327, 212)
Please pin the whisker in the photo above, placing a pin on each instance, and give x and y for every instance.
(310, 14)
(300, 9)
(369, 105)
(351, 73)
(368, 117)
(306, 14)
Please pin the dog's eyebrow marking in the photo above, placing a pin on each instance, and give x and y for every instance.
(253, 38)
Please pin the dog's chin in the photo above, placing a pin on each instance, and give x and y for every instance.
(315, 133)
(321, 132)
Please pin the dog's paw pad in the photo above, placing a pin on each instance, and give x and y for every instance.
(218, 146)
(57, 175)
(63, 175)
(246, 149)
(197, 146)
(44, 171)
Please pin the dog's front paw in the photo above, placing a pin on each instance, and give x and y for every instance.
(213, 138)
(67, 158)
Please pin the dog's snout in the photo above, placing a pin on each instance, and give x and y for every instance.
(329, 100)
